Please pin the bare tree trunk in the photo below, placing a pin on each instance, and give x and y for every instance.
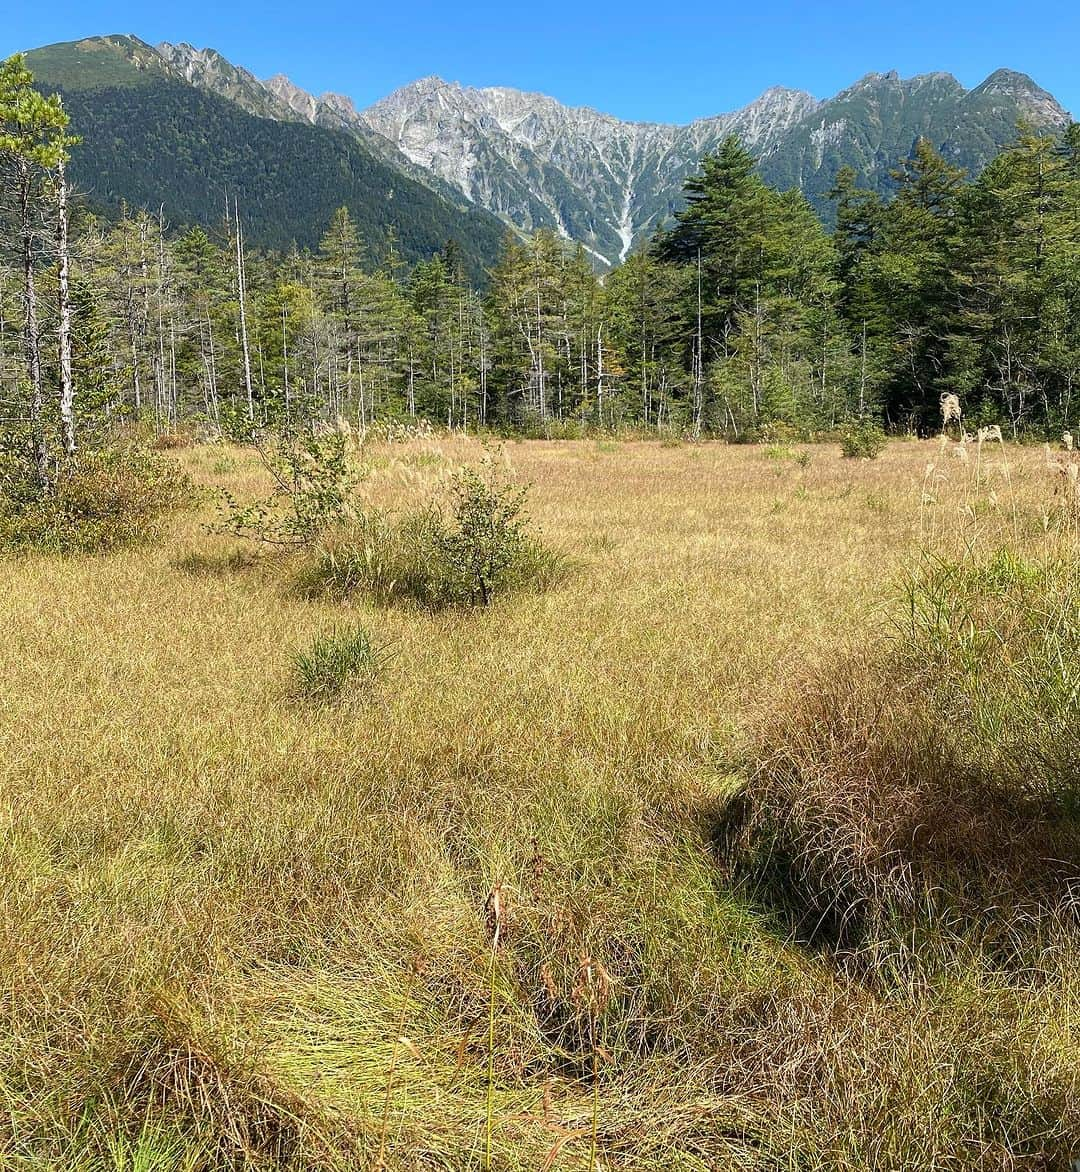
(67, 382)
(862, 375)
(600, 373)
(541, 384)
(241, 284)
(483, 373)
(285, 362)
(211, 371)
(144, 270)
(31, 329)
(699, 360)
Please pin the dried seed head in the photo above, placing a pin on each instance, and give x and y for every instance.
(536, 866)
(950, 409)
(495, 915)
(548, 981)
(593, 986)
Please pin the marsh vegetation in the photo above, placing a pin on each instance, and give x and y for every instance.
(750, 840)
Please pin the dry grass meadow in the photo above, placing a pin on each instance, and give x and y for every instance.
(480, 914)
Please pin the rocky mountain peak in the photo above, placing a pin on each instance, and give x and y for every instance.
(297, 100)
(1032, 100)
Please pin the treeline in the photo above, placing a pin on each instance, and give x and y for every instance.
(743, 316)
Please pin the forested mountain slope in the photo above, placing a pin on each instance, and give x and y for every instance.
(153, 139)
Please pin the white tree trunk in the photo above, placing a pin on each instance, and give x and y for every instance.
(67, 381)
(241, 285)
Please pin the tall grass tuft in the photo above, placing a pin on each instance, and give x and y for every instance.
(930, 774)
(335, 662)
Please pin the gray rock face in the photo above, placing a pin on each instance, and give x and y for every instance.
(606, 183)
(591, 177)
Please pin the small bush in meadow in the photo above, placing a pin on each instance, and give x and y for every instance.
(481, 551)
(863, 442)
(97, 501)
(487, 537)
(335, 662)
(313, 483)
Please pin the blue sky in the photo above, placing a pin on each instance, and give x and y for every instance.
(664, 62)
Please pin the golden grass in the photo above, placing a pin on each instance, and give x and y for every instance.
(238, 930)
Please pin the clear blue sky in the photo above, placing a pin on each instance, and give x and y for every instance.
(663, 62)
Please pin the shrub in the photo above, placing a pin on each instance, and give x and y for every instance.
(97, 502)
(333, 662)
(312, 489)
(487, 537)
(169, 441)
(484, 550)
(930, 777)
(863, 442)
(780, 433)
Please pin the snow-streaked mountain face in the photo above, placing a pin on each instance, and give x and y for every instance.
(607, 184)
(280, 99)
(591, 177)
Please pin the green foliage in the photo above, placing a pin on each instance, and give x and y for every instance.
(863, 442)
(342, 659)
(97, 502)
(313, 481)
(482, 550)
(487, 536)
(32, 127)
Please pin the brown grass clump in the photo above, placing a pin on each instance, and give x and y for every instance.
(929, 777)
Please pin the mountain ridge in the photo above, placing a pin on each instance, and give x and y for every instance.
(157, 133)
(607, 183)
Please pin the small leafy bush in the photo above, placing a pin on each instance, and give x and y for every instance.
(335, 662)
(312, 488)
(97, 502)
(863, 442)
(482, 550)
(780, 433)
(487, 537)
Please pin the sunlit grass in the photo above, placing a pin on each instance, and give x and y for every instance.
(241, 929)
